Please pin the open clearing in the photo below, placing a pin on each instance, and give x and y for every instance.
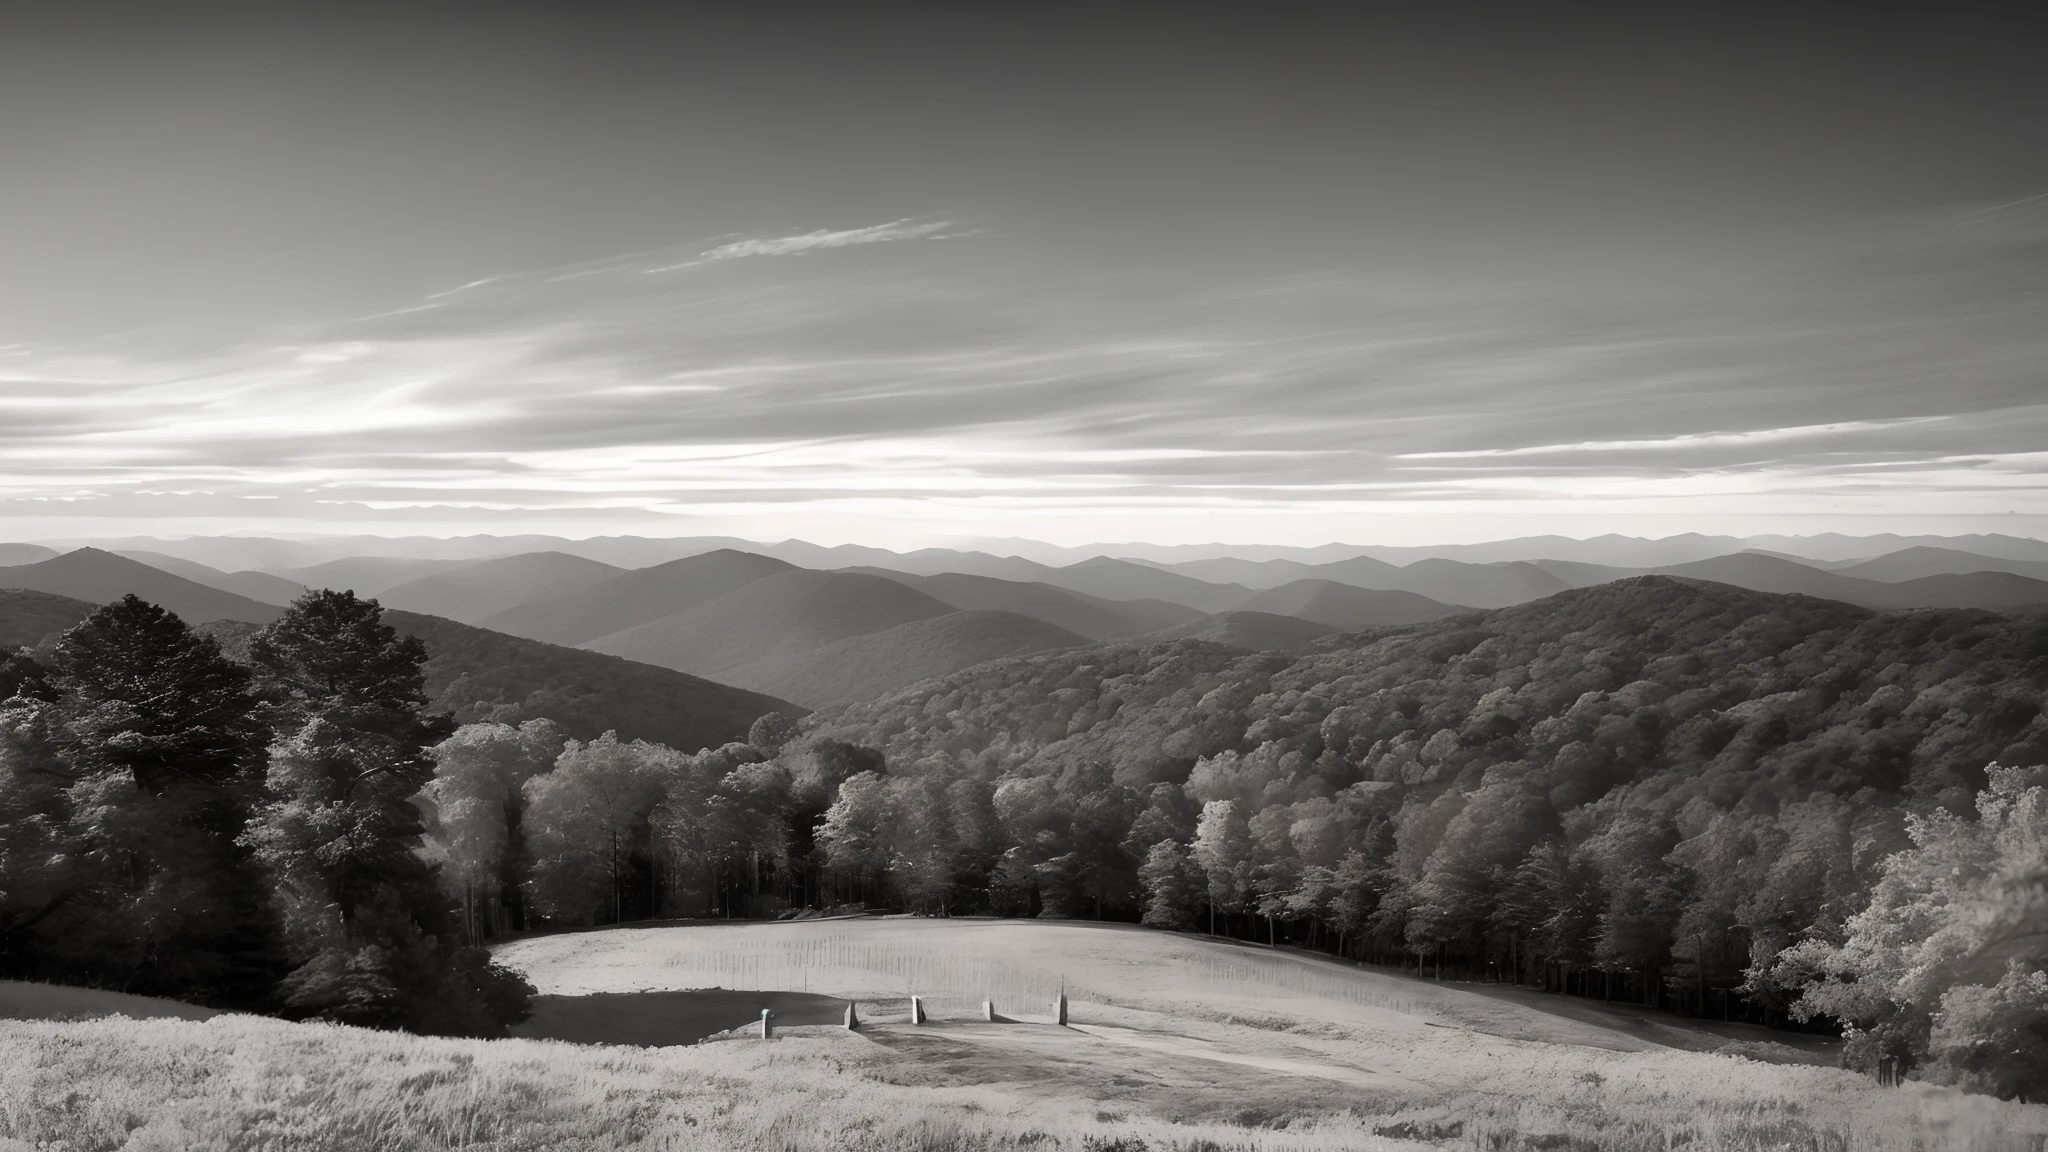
(1178, 1042)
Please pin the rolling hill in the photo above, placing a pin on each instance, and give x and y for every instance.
(366, 575)
(1483, 585)
(757, 628)
(1580, 574)
(1086, 616)
(1914, 563)
(869, 665)
(1760, 571)
(1763, 573)
(1360, 571)
(27, 618)
(1250, 630)
(1996, 591)
(100, 577)
(479, 675)
(1346, 607)
(1113, 579)
(261, 587)
(1501, 585)
(635, 597)
(484, 589)
(1147, 615)
(12, 554)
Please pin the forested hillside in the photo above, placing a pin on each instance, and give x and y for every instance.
(475, 674)
(1645, 789)
(1670, 791)
(240, 834)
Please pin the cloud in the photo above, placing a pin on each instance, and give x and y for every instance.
(812, 241)
(974, 386)
(1692, 440)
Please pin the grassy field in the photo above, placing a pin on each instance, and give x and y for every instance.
(1177, 1043)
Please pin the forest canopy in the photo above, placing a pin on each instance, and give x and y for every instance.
(1700, 798)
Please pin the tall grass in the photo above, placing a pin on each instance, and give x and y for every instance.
(244, 1083)
(240, 1084)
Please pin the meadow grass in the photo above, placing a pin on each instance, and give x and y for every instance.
(1180, 1045)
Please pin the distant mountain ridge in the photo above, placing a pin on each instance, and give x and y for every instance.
(1251, 630)
(1916, 562)
(259, 586)
(27, 617)
(479, 675)
(366, 575)
(874, 663)
(1086, 616)
(754, 630)
(982, 557)
(1347, 607)
(99, 577)
(12, 554)
(636, 597)
(477, 591)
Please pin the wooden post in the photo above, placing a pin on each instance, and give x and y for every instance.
(767, 1029)
(1059, 1010)
(988, 1010)
(852, 1018)
(917, 1009)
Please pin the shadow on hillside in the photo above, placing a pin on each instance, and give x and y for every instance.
(1690, 1033)
(661, 1019)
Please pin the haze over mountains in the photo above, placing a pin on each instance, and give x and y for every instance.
(478, 675)
(1012, 558)
(821, 626)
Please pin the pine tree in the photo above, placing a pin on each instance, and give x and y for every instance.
(164, 752)
(371, 936)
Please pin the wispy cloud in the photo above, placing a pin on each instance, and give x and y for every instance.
(1687, 441)
(959, 388)
(815, 241)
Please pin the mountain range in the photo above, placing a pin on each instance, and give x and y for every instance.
(481, 675)
(96, 576)
(279, 556)
(780, 627)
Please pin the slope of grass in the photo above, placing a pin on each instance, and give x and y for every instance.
(1177, 1043)
(1178, 1028)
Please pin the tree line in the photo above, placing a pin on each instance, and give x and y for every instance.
(175, 823)
(1698, 798)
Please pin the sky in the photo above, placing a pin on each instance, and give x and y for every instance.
(905, 276)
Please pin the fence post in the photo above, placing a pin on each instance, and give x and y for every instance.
(852, 1018)
(1059, 1009)
(988, 1010)
(917, 1009)
(767, 1029)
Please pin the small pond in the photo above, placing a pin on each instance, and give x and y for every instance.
(659, 1019)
